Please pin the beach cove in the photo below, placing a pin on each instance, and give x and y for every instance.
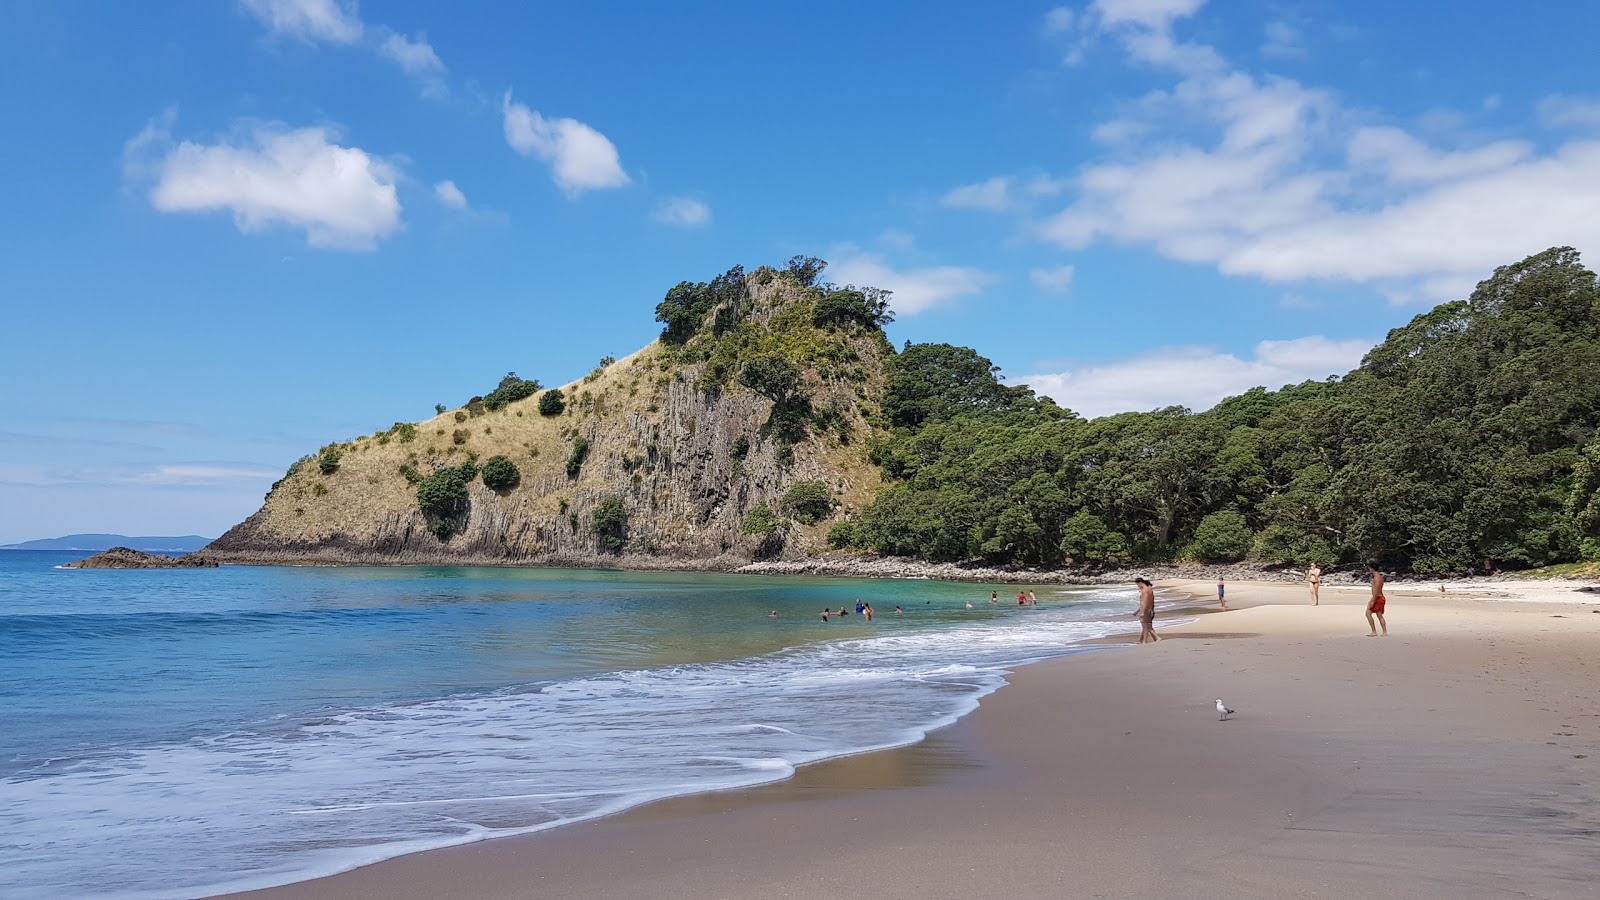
(1454, 758)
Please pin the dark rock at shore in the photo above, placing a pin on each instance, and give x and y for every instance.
(125, 558)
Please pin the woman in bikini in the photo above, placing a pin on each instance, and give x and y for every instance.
(1314, 578)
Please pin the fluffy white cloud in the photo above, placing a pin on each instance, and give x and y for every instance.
(1242, 172)
(1056, 279)
(994, 194)
(309, 20)
(1196, 377)
(914, 290)
(450, 195)
(581, 159)
(682, 212)
(340, 196)
(417, 59)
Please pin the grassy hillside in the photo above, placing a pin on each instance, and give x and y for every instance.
(743, 436)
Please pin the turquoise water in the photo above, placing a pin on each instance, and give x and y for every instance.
(244, 726)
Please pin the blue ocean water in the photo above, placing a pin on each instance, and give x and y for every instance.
(245, 726)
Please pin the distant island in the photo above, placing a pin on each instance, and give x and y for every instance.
(187, 543)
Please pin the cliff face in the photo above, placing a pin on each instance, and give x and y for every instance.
(688, 454)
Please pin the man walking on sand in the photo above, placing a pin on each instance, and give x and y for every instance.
(1376, 604)
(1147, 610)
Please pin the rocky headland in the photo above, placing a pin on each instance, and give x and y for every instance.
(126, 558)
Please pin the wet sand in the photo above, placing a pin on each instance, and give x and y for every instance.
(1454, 758)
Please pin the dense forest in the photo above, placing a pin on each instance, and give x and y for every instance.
(1470, 434)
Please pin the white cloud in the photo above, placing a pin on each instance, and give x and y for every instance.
(993, 194)
(450, 195)
(1282, 41)
(914, 290)
(1563, 111)
(581, 158)
(1155, 14)
(1195, 377)
(1060, 20)
(176, 475)
(309, 20)
(681, 212)
(417, 59)
(194, 475)
(340, 196)
(1057, 279)
(1269, 178)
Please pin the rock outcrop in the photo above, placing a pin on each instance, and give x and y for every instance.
(125, 558)
(668, 431)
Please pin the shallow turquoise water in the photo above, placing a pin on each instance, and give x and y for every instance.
(266, 724)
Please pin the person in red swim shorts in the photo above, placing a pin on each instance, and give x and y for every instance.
(1376, 604)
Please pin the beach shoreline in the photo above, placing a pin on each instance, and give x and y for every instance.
(1453, 758)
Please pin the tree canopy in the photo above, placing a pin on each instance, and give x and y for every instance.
(1468, 434)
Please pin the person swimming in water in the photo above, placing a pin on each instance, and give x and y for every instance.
(898, 610)
(824, 614)
(773, 614)
(994, 597)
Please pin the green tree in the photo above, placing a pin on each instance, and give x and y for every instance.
(328, 460)
(1222, 536)
(805, 269)
(510, 389)
(611, 523)
(760, 520)
(500, 473)
(808, 502)
(933, 382)
(552, 402)
(866, 307)
(1085, 539)
(443, 494)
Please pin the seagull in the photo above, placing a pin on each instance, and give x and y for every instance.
(1223, 711)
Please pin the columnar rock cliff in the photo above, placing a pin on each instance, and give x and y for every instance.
(672, 432)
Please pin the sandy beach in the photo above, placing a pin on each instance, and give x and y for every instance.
(1454, 758)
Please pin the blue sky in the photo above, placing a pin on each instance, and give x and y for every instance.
(236, 231)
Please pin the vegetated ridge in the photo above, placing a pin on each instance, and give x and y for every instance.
(773, 420)
(741, 433)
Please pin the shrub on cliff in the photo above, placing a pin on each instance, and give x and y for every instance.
(867, 307)
(553, 403)
(808, 502)
(580, 452)
(501, 474)
(443, 494)
(328, 460)
(611, 524)
(760, 520)
(511, 388)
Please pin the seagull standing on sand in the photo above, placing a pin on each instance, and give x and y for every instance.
(1223, 711)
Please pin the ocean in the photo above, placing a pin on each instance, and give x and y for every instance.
(178, 733)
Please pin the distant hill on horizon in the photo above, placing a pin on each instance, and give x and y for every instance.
(187, 543)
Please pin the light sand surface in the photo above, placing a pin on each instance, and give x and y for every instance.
(1455, 758)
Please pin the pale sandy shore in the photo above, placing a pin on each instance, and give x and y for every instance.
(1455, 758)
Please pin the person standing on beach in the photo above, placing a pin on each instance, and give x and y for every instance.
(1147, 610)
(1376, 604)
(1314, 578)
(1222, 596)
